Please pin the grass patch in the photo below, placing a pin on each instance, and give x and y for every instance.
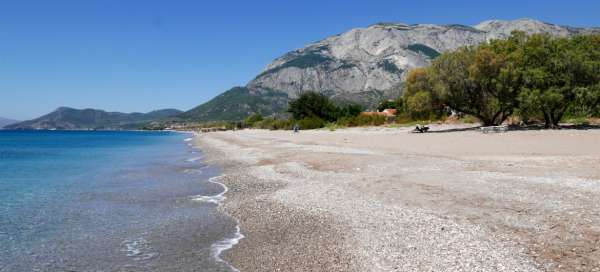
(424, 49)
(578, 121)
(389, 66)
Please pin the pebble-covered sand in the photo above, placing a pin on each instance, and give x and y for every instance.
(383, 199)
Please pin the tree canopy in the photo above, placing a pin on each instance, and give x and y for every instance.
(536, 75)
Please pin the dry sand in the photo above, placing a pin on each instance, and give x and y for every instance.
(383, 199)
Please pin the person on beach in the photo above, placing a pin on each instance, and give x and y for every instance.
(296, 128)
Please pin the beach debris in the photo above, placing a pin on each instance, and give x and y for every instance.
(420, 129)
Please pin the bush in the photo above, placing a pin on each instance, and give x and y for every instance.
(252, 119)
(274, 124)
(280, 124)
(311, 123)
(362, 120)
(351, 110)
(346, 122)
(370, 120)
(333, 126)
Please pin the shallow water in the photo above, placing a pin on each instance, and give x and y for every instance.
(107, 201)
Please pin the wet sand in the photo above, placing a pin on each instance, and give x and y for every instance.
(384, 199)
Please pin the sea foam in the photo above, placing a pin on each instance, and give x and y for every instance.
(220, 246)
(226, 244)
(193, 159)
(216, 199)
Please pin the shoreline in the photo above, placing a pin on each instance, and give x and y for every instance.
(218, 247)
(258, 231)
(226, 243)
(370, 199)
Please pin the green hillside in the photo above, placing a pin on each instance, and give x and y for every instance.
(238, 103)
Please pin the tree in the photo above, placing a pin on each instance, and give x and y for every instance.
(419, 105)
(538, 75)
(555, 70)
(587, 98)
(420, 99)
(313, 104)
(477, 81)
(351, 110)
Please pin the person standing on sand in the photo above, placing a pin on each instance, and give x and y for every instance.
(296, 128)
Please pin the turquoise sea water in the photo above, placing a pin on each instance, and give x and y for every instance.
(107, 201)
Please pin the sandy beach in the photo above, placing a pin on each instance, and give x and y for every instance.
(384, 199)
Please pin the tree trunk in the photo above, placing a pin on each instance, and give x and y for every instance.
(486, 122)
(559, 115)
(504, 116)
(547, 119)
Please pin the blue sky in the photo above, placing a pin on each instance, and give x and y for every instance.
(143, 55)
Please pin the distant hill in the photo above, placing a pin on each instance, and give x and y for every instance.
(69, 118)
(236, 104)
(6, 122)
(362, 65)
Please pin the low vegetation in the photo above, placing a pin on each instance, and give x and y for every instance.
(424, 49)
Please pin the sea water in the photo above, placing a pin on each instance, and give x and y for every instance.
(108, 201)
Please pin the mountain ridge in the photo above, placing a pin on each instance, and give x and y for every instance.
(366, 65)
(7, 121)
(66, 118)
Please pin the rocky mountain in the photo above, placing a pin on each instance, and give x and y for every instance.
(6, 122)
(364, 65)
(69, 118)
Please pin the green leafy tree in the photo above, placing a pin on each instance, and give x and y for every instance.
(419, 105)
(477, 81)
(555, 71)
(419, 97)
(587, 101)
(313, 104)
(351, 110)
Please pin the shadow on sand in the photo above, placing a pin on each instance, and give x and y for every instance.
(523, 128)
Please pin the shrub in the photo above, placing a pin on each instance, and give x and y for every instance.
(280, 124)
(252, 119)
(274, 124)
(351, 110)
(370, 120)
(333, 126)
(346, 121)
(311, 123)
(362, 120)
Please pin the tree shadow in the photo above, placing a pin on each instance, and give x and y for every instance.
(560, 127)
(454, 130)
(537, 127)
